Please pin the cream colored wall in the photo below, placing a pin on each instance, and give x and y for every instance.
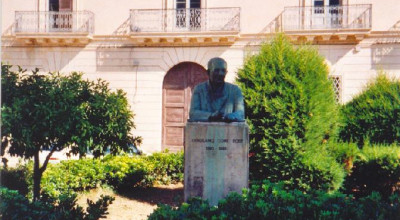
(8, 12)
(385, 14)
(359, 65)
(111, 15)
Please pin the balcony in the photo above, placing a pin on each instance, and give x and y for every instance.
(345, 21)
(54, 27)
(181, 26)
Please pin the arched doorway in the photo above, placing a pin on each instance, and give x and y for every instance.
(177, 92)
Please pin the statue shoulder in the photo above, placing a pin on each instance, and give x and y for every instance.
(201, 86)
(232, 87)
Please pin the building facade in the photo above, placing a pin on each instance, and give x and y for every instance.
(157, 50)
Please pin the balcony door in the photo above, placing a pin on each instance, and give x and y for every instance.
(326, 14)
(177, 92)
(60, 15)
(188, 14)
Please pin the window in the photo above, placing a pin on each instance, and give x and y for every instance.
(337, 86)
(188, 14)
(195, 4)
(318, 3)
(180, 4)
(53, 5)
(60, 17)
(318, 6)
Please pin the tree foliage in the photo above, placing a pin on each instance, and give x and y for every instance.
(374, 115)
(55, 111)
(291, 112)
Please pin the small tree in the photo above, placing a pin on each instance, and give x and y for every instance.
(53, 111)
(291, 112)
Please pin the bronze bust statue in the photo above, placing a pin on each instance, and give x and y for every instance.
(216, 100)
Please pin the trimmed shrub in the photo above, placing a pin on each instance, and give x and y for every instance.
(15, 206)
(374, 115)
(168, 167)
(272, 201)
(70, 176)
(376, 169)
(345, 153)
(124, 172)
(119, 172)
(291, 112)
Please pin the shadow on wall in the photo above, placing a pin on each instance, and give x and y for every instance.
(9, 31)
(114, 59)
(385, 52)
(123, 29)
(274, 26)
(110, 58)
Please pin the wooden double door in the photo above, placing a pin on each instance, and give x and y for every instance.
(177, 92)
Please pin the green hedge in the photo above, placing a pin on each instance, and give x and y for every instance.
(271, 201)
(377, 168)
(120, 172)
(292, 113)
(374, 115)
(15, 206)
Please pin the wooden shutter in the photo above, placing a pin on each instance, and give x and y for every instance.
(65, 5)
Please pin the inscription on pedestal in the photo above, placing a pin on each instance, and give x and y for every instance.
(216, 159)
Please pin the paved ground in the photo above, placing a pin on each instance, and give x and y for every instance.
(137, 204)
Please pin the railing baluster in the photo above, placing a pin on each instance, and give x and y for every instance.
(45, 22)
(327, 17)
(184, 20)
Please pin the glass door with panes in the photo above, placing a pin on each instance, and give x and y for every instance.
(335, 14)
(326, 14)
(188, 15)
(318, 15)
(60, 15)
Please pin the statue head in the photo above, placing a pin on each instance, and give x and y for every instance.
(217, 69)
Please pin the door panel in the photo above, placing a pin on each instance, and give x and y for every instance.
(177, 91)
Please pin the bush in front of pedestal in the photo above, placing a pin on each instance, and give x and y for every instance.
(292, 112)
(374, 115)
(15, 206)
(376, 168)
(273, 201)
(168, 167)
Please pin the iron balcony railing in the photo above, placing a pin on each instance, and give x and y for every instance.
(327, 17)
(51, 21)
(185, 20)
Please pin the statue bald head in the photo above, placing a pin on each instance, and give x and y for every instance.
(217, 69)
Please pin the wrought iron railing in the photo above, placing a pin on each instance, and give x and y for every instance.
(185, 20)
(51, 21)
(327, 17)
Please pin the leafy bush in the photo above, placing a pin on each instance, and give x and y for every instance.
(71, 176)
(15, 206)
(374, 115)
(376, 169)
(123, 172)
(345, 153)
(16, 179)
(291, 112)
(271, 201)
(120, 172)
(168, 167)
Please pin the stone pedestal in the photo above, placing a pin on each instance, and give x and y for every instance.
(216, 159)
